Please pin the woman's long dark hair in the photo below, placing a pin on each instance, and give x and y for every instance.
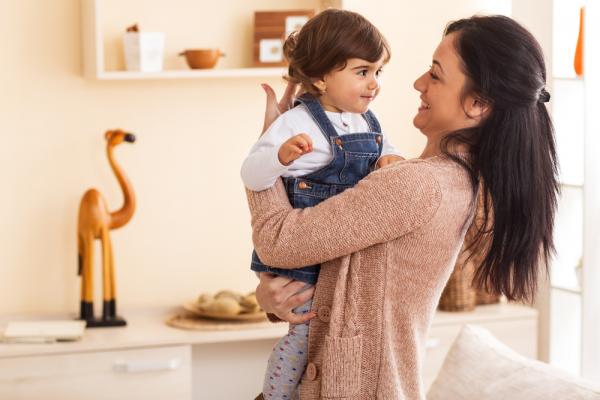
(513, 158)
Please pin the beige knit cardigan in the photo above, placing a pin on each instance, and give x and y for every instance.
(387, 248)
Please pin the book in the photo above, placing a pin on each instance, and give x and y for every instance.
(43, 331)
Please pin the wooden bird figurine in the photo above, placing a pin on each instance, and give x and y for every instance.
(95, 222)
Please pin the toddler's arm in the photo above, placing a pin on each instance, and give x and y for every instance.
(389, 154)
(262, 167)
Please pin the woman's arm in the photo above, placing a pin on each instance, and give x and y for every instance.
(385, 205)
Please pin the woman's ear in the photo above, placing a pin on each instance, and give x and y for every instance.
(477, 108)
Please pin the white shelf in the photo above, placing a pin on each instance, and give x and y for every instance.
(93, 54)
(571, 185)
(567, 78)
(189, 74)
(485, 313)
(567, 289)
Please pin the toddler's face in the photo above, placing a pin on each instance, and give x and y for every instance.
(353, 88)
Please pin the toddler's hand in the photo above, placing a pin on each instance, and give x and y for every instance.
(294, 148)
(386, 160)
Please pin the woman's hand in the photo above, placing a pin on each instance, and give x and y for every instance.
(274, 108)
(280, 295)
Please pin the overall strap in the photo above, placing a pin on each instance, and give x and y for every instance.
(372, 121)
(318, 114)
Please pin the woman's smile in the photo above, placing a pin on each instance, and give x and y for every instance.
(424, 106)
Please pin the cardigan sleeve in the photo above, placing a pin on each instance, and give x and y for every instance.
(385, 205)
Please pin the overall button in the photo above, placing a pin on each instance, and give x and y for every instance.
(338, 141)
(311, 371)
(324, 314)
(303, 185)
(378, 139)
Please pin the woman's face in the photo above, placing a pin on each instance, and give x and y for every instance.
(442, 110)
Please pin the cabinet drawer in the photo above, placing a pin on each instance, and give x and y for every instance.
(152, 373)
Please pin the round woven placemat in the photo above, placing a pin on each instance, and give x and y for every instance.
(192, 322)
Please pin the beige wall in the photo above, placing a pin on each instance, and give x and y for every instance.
(191, 230)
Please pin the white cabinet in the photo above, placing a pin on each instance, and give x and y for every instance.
(149, 360)
(144, 360)
(154, 373)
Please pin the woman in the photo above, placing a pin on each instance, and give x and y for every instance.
(388, 246)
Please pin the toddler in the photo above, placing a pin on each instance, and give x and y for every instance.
(324, 145)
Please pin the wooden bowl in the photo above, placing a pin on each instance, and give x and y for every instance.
(202, 58)
(194, 308)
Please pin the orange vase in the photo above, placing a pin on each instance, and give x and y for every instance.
(578, 61)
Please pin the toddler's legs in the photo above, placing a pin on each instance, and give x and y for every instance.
(288, 361)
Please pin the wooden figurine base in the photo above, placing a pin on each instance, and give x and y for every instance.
(109, 315)
(105, 323)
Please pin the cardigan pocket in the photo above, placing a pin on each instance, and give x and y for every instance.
(341, 368)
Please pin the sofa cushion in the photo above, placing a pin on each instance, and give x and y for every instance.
(478, 366)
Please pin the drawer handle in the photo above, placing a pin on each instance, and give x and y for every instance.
(432, 343)
(146, 366)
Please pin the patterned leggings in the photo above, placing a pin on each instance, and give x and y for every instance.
(288, 361)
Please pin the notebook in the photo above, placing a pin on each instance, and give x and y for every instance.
(43, 331)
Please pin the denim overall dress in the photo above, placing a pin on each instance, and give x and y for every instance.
(354, 156)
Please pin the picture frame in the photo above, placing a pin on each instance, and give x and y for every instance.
(271, 28)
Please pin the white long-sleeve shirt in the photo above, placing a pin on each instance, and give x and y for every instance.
(261, 168)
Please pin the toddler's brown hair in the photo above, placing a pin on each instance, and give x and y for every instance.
(327, 41)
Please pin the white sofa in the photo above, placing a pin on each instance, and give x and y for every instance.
(479, 367)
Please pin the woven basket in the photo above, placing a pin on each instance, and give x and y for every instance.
(484, 297)
(459, 295)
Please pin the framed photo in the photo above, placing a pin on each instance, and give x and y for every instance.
(294, 23)
(270, 51)
(271, 28)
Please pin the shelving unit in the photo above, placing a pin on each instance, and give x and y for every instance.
(94, 60)
(590, 303)
(574, 299)
(568, 117)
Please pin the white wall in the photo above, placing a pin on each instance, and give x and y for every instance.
(191, 231)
